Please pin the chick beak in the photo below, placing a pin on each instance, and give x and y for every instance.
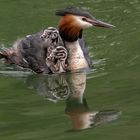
(99, 23)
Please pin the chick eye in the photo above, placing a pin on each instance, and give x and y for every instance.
(84, 19)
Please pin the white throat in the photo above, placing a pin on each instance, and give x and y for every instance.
(76, 59)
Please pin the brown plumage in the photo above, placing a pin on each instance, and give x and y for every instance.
(69, 28)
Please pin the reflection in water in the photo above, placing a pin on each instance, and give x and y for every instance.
(71, 89)
(53, 88)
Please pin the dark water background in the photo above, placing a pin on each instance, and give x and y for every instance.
(105, 99)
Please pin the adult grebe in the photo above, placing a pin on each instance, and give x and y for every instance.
(50, 51)
(71, 26)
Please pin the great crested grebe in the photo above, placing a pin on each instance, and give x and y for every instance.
(53, 51)
(71, 26)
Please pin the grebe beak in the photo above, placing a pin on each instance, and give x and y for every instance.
(99, 23)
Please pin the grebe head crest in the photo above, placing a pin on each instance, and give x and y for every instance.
(83, 15)
(74, 20)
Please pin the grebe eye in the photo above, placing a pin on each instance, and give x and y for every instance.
(84, 19)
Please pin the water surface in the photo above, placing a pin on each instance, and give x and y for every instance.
(99, 104)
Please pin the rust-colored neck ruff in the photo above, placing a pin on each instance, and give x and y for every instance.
(69, 29)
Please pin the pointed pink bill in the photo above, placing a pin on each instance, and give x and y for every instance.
(99, 23)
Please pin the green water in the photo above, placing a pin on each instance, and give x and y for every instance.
(35, 107)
